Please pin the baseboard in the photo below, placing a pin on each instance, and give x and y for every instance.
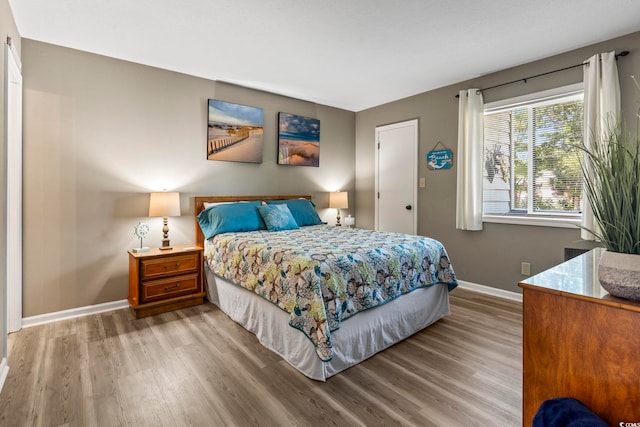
(500, 293)
(73, 313)
(4, 371)
(56, 316)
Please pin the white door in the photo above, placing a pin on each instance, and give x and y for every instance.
(396, 177)
(13, 208)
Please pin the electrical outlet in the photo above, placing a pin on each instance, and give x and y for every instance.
(525, 268)
(422, 183)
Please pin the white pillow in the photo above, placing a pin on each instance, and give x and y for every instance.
(209, 204)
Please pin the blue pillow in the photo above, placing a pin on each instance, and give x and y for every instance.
(303, 211)
(277, 217)
(230, 217)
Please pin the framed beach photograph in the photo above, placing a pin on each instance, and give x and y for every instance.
(298, 140)
(234, 132)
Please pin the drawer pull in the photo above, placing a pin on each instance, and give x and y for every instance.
(170, 288)
(166, 267)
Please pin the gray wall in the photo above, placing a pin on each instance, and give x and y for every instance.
(491, 257)
(7, 29)
(100, 134)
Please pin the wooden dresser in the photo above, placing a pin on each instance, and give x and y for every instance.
(161, 281)
(579, 341)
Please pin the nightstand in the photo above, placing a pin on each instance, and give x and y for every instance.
(161, 281)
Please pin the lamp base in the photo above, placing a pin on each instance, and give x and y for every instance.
(166, 245)
(138, 250)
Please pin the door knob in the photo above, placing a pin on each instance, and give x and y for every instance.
(408, 207)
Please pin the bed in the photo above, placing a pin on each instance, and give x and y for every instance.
(324, 298)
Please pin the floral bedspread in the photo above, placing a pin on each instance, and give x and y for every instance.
(323, 275)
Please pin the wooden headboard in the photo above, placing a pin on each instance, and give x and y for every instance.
(200, 201)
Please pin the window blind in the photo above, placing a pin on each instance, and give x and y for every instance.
(531, 163)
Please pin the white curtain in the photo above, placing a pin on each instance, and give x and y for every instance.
(470, 150)
(601, 106)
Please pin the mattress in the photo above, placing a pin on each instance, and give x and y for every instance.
(322, 276)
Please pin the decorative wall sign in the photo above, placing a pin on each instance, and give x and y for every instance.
(298, 140)
(439, 159)
(234, 132)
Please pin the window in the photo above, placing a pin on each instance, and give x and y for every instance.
(531, 168)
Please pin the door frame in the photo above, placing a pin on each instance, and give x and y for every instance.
(414, 162)
(13, 189)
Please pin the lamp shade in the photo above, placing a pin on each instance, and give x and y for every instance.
(164, 204)
(339, 200)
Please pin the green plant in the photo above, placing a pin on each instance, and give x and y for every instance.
(611, 173)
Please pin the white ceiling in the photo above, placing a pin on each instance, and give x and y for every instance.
(351, 54)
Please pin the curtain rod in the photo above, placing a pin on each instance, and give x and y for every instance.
(524, 80)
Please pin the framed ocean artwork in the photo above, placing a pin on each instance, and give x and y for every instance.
(234, 132)
(298, 140)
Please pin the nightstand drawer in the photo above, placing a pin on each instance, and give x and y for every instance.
(166, 288)
(169, 266)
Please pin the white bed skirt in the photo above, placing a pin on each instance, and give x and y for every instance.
(358, 338)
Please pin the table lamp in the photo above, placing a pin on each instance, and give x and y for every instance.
(338, 200)
(164, 204)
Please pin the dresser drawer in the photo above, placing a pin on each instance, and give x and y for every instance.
(169, 266)
(171, 287)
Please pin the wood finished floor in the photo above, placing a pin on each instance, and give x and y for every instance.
(197, 367)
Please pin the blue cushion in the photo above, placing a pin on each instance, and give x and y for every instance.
(230, 217)
(566, 412)
(277, 217)
(303, 211)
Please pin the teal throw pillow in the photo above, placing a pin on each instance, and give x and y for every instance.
(303, 211)
(277, 217)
